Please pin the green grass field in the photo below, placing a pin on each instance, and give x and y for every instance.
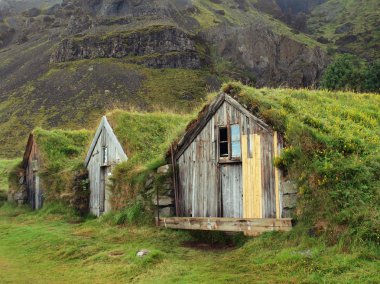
(49, 247)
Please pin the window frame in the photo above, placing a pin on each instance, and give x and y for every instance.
(229, 158)
(104, 156)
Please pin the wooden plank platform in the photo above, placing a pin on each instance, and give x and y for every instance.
(250, 226)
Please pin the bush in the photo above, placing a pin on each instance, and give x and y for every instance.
(348, 72)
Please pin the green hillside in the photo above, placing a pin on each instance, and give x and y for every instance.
(351, 26)
(74, 95)
(38, 90)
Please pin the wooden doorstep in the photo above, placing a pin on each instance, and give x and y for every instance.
(250, 226)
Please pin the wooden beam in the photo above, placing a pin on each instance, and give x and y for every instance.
(258, 187)
(252, 225)
(277, 176)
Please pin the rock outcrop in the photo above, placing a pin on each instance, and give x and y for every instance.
(272, 59)
(155, 46)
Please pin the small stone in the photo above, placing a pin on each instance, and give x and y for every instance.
(91, 68)
(163, 200)
(166, 211)
(306, 253)
(163, 169)
(148, 182)
(289, 187)
(142, 253)
(289, 201)
(170, 193)
(167, 185)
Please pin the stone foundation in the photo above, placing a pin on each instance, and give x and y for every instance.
(162, 182)
(289, 198)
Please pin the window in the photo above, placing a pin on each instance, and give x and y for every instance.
(223, 142)
(235, 141)
(104, 156)
(229, 142)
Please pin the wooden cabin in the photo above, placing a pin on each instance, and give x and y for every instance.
(225, 176)
(31, 165)
(105, 152)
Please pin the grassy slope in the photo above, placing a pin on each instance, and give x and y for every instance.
(75, 94)
(86, 95)
(5, 167)
(332, 152)
(44, 248)
(364, 17)
(208, 17)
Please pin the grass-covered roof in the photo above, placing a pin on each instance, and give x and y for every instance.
(145, 138)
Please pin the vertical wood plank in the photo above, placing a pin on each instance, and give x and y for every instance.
(258, 207)
(276, 174)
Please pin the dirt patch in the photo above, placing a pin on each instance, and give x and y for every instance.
(207, 246)
(3, 264)
(115, 253)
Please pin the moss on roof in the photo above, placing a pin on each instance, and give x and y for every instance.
(62, 149)
(145, 138)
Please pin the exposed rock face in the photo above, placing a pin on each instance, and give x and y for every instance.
(162, 47)
(273, 59)
(6, 34)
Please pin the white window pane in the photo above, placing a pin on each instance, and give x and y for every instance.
(235, 132)
(236, 150)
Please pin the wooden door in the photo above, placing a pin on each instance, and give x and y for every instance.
(37, 193)
(232, 190)
(102, 189)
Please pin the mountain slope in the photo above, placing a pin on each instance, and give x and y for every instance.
(352, 26)
(65, 65)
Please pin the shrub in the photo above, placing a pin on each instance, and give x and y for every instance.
(348, 72)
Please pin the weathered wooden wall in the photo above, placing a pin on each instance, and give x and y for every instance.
(32, 178)
(208, 188)
(98, 173)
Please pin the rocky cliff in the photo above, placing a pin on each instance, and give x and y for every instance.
(272, 59)
(155, 46)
